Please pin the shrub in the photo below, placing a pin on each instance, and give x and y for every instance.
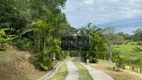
(125, 42)
(45, 63)
(42, 61)
(73, 53)
(133, 43)
(93, 60)
(24, 44)
(139, 43)
(5, 39)
(65, 54)
(2, 47)
(58, 56)
(120, 62)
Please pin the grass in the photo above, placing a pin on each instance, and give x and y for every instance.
(15, 65)
(83, 72)
(126, 48)
(9, 65)
(61, 73)
(6, 56)
(125, 75)
(130, 51)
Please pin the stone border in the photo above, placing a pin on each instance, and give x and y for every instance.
(52, 72)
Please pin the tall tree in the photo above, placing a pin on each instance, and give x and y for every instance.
(137, 35)
(97, 45)
(110, 37)
(37, 21)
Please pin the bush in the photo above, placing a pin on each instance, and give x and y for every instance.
(65, 54)
(2, 47)
(4, 39)
(73, 53)
(139, 43)
(125, 42)
(45, 63)
(58, 56)
(93, 60)
(24, 44)
(133, 43)
(120, 62)
(42, 61)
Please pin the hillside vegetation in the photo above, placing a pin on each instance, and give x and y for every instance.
(130, 56)
(15, 65)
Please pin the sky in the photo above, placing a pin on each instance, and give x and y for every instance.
(124, 15)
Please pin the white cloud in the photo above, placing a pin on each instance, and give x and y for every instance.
(79, 12)
(90, 8)
(89, 2)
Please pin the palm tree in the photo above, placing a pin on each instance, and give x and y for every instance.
(97, 41)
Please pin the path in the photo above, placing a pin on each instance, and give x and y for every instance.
(73, 73)
(97, 74)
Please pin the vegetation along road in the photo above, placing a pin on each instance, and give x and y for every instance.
(81, 71)
(30, 42)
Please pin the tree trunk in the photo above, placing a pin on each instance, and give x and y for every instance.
(54, 56)
(39, 44)
(44, 45)
(110, 53)
(35, 41)
(140, 70)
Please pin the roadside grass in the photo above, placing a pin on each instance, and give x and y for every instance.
(83, 72)
(125, 75)
(61, 73)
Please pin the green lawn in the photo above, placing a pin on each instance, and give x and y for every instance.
(128, 50)
(83, 72)
(61, 73)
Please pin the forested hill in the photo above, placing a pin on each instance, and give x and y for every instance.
(31, 25)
